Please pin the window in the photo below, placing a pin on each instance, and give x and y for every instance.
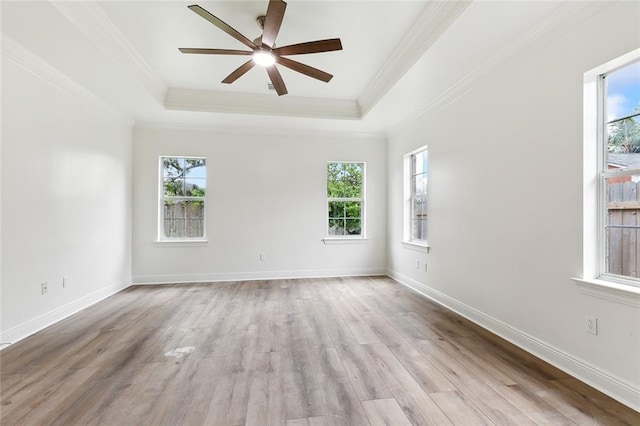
(183, 182)
(416, 196)
(619, 174)
(345, 199)
(612, 173)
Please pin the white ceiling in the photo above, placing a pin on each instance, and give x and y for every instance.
(156, 30)
(399, 57)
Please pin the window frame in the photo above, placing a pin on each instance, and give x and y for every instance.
(409, 195)
(596, 280)
(603, 175)
(161, 237)
(361, 200)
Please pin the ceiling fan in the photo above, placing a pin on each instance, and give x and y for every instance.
(263, 49)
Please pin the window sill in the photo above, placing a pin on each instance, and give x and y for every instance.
(413, 245)
(347, 240)
(181, 243)
(611, 291)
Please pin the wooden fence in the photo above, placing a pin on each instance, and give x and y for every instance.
(623, 230)
(184, 220)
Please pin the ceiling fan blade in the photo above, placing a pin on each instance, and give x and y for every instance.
(272, 22)
(239, 72)
(317, 46)
(304, 69)
(223, 26)
(214, 51)
(276, 80)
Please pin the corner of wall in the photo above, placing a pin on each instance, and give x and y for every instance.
(615, 387)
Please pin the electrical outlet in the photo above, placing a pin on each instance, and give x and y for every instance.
(417, 264)
(263, 257)
(65, 282)
(592, 325)
(44, 288)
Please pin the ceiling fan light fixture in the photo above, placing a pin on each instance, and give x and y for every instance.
(263, 49)
(264, 58)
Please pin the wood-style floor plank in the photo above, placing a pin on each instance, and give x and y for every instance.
(381, 412)
(333, 351)
(340, 403)
(417, 405)
(309, 421)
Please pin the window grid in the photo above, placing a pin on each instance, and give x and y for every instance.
(182, 200)
(418, 196)
(345, 199)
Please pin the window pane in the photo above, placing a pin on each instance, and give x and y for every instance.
(195, 168)
(419, 218)
(173, 187)
(336, 209)
(344, 180)
(622, 230)
(345, 218)
(174, 219)
(195, 187)
(334, 171)
(623, 92)
(172, 167)
(345, 227)
(194, 223)
(623, 144)
(183, 219)
(419, 229)
(337, 227)
(419, 207)
(420, 162)
(344, 209)
(420, 184)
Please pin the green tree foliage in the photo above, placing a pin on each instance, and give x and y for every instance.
(344, 182)
(624, 135)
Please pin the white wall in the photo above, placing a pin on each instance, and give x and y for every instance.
(505, 205)
(266, 194)
(66, 196)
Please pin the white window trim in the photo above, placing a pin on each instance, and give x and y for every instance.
(593, 282)
(160, 238)
(346, 240)
(192, 242)
(339, 239)
(408, 241)
(413, 245)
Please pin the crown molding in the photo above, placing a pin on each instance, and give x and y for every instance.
(16, 53)
(434, 20)
(566, 16)
(303, 134)
(245, 103)
(95, 24)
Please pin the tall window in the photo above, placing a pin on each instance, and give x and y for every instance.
(183, 182)
(619, 174)
(345, 199)
(416, 195)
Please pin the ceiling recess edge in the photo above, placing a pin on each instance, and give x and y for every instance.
(89, 18)
(434, 20)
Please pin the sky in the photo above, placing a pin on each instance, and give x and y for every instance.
(623, 91)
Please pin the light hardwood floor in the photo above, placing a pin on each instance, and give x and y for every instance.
(285, 352)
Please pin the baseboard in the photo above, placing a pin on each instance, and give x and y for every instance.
(252, 276)
(43, 321)
(615, 387)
